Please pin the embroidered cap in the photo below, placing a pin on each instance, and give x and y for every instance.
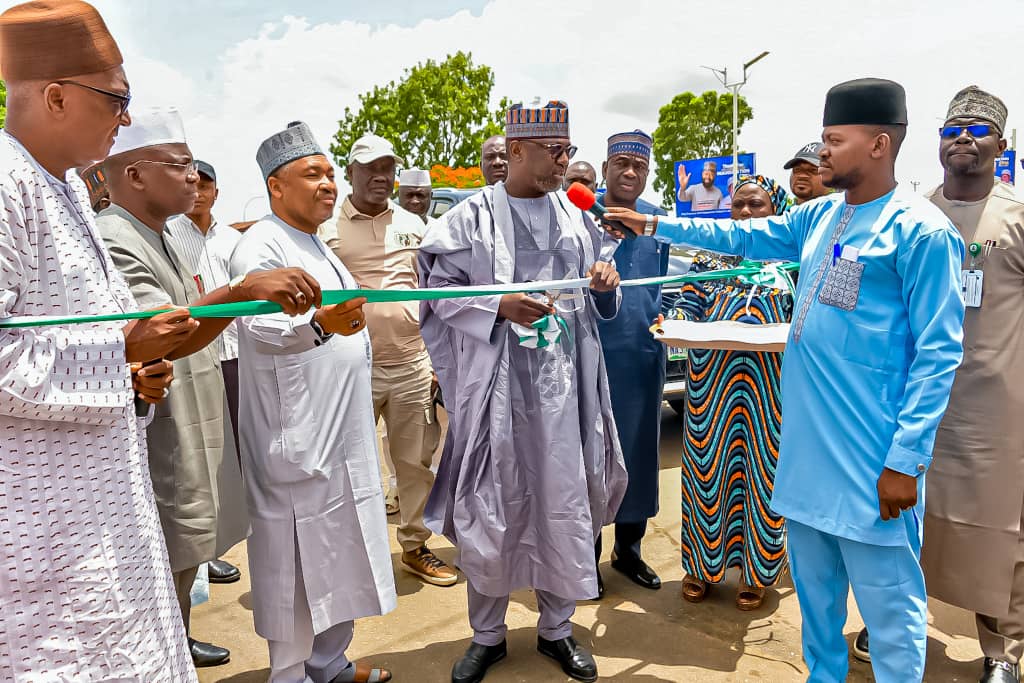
(549, 121)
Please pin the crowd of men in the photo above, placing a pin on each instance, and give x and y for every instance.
(140, 449)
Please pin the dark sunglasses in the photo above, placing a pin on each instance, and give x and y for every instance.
(125, 100)
(976, 130)
(555, 149)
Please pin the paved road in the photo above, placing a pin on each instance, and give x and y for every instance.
(637, 635)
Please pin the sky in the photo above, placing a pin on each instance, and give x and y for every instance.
(239, 70)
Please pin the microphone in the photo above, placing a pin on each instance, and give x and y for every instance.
(581, 197)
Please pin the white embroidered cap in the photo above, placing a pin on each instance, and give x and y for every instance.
(414, 177)
(151, 126)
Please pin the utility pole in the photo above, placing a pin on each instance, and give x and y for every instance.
(723, 76)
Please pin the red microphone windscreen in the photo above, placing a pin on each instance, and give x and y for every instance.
(581, 196)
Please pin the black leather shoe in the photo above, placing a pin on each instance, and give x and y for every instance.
(1000, 672)
(637, 571)
(222, 572)
(207, 654)
(474, 664)
(860, 647)
(575, 660)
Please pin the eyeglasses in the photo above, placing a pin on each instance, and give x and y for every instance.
(976, 130)
(556, 149)
(189, 167)
(124, 100)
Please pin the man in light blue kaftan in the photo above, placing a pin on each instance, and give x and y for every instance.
(875, 341)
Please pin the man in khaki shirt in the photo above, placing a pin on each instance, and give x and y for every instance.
(378, 242)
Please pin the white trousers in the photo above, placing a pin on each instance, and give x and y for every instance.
(309, 657)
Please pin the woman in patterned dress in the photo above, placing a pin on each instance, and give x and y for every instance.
(731, 427)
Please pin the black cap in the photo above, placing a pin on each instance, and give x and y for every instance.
(206, 169)
(866, 102)
(809, 153)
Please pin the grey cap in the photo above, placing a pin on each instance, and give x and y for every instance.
(809, 153)
(294, 142)
(206, 169)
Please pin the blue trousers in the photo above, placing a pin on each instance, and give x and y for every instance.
(889, 588)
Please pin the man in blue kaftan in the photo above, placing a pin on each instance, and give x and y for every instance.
(875, 341)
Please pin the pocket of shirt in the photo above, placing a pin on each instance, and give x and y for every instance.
(842, 284)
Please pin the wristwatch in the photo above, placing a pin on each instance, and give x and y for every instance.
(318, 330)
(649, 225)
(235, 281)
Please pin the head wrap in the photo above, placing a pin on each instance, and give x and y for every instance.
(549, 121)
(636, 143)
(294, 142)
(152, 126)
(776, 193)
(973, 102)
(53, 39)
(414, 177)
(866, 101)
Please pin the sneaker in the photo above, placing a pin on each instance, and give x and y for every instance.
(429, 567)
(860, 646)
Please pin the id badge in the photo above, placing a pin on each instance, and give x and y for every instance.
(971, 287)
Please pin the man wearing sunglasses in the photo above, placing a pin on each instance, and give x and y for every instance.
(973, 554)
(532, 467)
(85, 584)
(192, 461)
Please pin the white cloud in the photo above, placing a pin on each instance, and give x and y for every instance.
(614, 64)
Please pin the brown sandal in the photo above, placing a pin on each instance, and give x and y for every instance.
(749, 598)
(362, 673)
(694, 589)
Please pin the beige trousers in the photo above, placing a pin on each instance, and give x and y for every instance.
(402, 395)
(1002, 637)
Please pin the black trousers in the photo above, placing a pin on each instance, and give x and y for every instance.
(229, 368)
(628, 536)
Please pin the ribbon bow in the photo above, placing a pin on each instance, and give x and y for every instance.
(544, 332)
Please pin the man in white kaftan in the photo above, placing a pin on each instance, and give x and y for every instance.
(318, 553)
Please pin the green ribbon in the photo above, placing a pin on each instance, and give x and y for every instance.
(336, 296)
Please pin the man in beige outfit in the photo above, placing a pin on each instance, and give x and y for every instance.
(973, 554)
(378, 241)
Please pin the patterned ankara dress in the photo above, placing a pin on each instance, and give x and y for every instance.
(731, 437)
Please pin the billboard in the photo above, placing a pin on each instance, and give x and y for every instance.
(1005, 164)
(703, 185)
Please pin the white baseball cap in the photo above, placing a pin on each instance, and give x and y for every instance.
(369, 148)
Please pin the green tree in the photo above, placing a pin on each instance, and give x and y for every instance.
(436, 114)
(693, 127)
(3, 103)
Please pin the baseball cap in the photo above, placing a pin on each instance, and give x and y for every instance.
(808, 153)
(206, 169)
(369, 148)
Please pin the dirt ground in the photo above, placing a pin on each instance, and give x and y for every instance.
(636, 635)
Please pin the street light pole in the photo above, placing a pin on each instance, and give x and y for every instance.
(248, 202)
(723, 76)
